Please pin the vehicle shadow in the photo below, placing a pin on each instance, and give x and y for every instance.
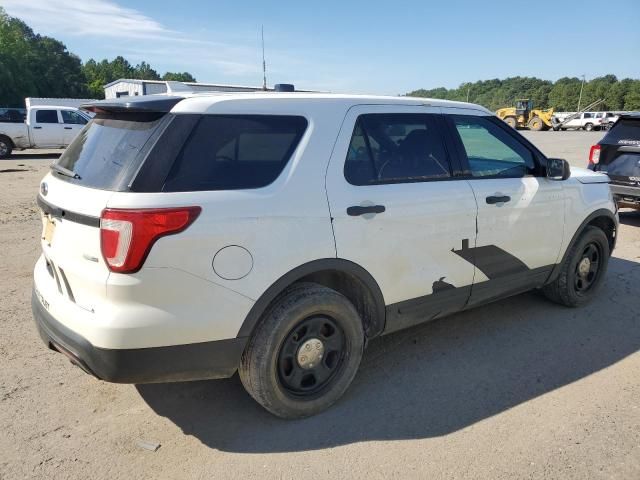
(34, 156)
(630, 217)
(430, 380)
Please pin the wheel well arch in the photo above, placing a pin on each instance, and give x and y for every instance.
(603, 219)
(608, 226)
(344, 276)
(13, 145)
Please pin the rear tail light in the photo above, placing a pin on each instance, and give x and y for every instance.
(594, 154)
(126, 236)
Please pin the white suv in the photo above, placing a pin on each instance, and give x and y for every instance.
(274, 234)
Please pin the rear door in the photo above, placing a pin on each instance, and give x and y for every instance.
(73, 122)
(520, 211)
(46, 128)
(620, 153)
(398, 211)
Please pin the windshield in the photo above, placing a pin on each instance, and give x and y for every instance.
(107, 152)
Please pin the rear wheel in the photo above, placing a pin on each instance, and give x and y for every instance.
(536, 124)
(583, 270)
(588, 127)
(511, 121)
(6, 146)
(304, 353)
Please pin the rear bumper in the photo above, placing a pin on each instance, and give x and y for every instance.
(625, 194)
(196, 361)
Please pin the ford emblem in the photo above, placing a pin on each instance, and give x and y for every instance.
(44, 188)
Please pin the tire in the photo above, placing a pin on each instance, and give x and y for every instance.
(511, 121)
(588, 127)
(272, 367)
(536, 124)
(572, 288)
(6, 146)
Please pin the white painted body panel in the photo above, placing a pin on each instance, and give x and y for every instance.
(178, 298)
(409, 246)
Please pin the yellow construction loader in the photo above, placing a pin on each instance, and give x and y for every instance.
(523, 115)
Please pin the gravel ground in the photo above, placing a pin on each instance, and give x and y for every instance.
(520, 388)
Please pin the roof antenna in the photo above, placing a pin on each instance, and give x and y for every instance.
(264, 63)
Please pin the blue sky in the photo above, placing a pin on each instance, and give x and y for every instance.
(351, 46)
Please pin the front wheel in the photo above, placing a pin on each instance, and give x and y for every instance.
(588, 127)
(583, 270)
(304, 353)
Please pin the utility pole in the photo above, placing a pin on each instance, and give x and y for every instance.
(264, 63)
(580, 97)
(468, 90)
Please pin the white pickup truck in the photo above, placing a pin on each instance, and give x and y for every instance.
(44, 127)
(586, 121)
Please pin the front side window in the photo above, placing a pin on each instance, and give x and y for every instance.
(491, 151)
(231, 152)
(47, 116)
(394, 148)
(69, 116)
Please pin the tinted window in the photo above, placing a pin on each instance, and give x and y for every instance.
(491, 151)
(47, 116)
(230, 152)
(70, 116)
(108, 149)
(11, 115)
(587, 115)
(391, 148)
(625, 131)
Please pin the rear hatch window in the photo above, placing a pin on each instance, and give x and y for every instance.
(109, 150)
(620, 152)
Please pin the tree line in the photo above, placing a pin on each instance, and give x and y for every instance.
(33, 65)
(562, 95)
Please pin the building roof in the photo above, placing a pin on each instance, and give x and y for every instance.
(193, 84)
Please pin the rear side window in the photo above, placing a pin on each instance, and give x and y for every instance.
(395, 148)
(69, 116)
(231, 152)
(109, 149)
(47, 116)
(491, 151)
(626, 131)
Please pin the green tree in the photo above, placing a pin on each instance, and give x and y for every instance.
(178, 77)
(32, 65)
(143, 71)
(632, 96)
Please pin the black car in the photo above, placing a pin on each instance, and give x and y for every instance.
(618, 155)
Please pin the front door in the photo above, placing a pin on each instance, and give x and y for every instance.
(520, 211)
(46, 128)
(398, 213)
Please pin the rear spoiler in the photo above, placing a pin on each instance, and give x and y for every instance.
(142, 104)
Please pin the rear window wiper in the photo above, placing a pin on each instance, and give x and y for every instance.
(64, 171)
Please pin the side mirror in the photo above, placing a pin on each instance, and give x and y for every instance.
(558, 169)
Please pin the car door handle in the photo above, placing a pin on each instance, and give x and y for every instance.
(358, 210)
(37, 128)
(498, 199)
(68, 128)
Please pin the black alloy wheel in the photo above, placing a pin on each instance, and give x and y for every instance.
(587, 268)
(311, 355)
